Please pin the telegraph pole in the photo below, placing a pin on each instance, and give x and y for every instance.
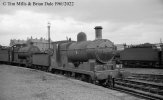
(49, 34)
(49, 45)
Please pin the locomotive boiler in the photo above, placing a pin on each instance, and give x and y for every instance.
(101, 50)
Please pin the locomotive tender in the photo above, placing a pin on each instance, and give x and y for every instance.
(91, 61)
(142, 56)
(4, 54)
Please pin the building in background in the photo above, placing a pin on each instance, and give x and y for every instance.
(14, 42)
(41, 43)
(120, 46)
(154, 45)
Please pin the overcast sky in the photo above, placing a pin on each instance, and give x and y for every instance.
(123, 21)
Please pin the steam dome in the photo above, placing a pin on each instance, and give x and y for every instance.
(81, 37)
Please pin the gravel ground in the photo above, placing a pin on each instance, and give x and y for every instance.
(27, 84)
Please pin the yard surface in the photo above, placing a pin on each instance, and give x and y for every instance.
(145, 71)
(18, 83)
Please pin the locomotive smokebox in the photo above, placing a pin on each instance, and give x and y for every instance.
(98, 32)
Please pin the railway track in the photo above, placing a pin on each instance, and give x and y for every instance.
(134, 93)
(147, 77)
(131, 91)
(128, 86)
(123, 86)
(147, 90)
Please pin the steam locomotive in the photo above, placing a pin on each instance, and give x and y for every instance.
(91, 61)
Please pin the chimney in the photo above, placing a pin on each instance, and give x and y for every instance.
(98, 32)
